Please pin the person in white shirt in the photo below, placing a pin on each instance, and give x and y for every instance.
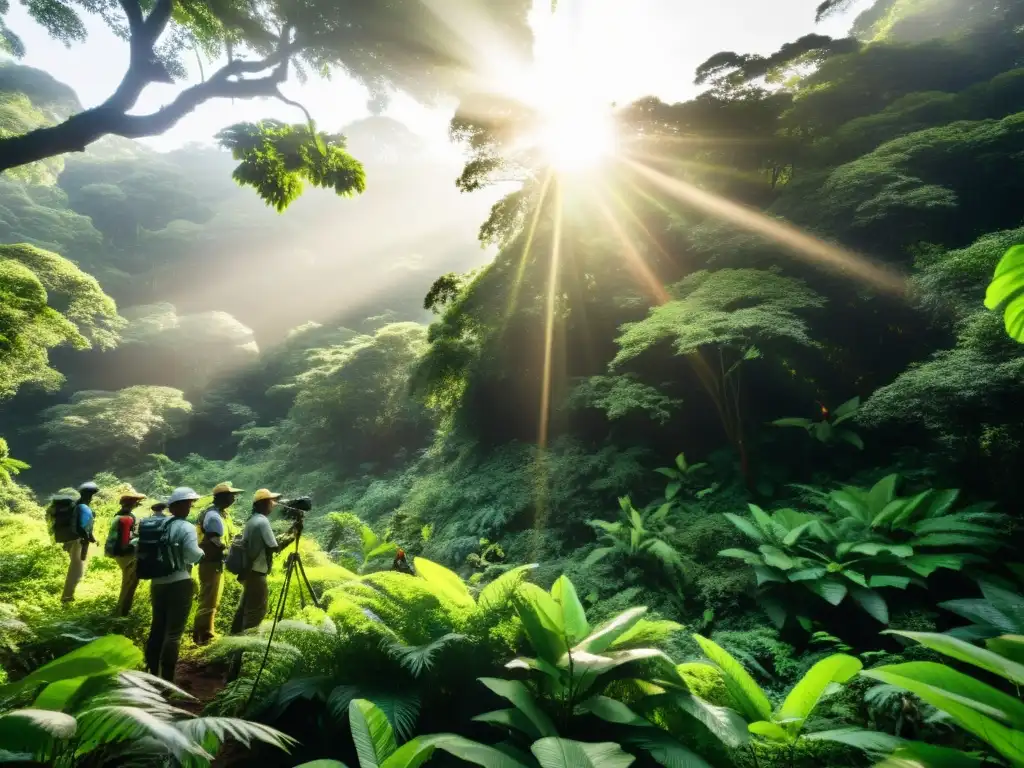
(260, 545)
(172, 595)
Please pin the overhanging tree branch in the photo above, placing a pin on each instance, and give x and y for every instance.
(112, 118)
(81, 130)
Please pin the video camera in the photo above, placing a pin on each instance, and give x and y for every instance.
(296, 509)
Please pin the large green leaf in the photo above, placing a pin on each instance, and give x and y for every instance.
(471, 752)
(322, 764)
(1007, 291)
(971, 654)
(748, 696)
(1008, 646)
(872, 602)
(776, 558)
(606, 634)
(520, 696)
(724, 723)
(597, 664)
(806, 694)
(542, 621)
(60, 693)
(663, 749)
(917, 754)
(872, 742)
(880, 495)
(846, 410)
(509, 718)
(371, 732)
(103, 656)
(746, 526)
(1007, 741)
(955, 684)
(444, 581)
(574, 618)
(412, 754)
(31, 730)
(496, 594)
(926, 565)
(829, 590)
(770, 730)
(614, 711)
(553, 752)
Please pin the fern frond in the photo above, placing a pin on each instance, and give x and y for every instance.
(402, 708)
(418, 659)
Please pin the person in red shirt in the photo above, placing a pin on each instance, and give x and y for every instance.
(120, 545)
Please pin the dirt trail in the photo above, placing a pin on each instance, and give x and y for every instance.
(203, 681)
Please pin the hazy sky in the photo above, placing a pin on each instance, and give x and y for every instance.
(631, 48)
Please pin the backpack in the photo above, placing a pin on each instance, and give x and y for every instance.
(113, 547)
(62, 519)
(155, 555)
(237, 561)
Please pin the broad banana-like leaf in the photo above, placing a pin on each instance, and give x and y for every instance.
(950, 682)
(602, 638)
(574, 617)
(917, 754)
(971, 654)
(538, 665)
(1008, 646)
(509, 718)
(444, 581)
(517, 693)
(499, 592)
(473, 752)
(725, 724)
(542, 621)
(1007, 741)
(322, 764)
(770, 730)
(751, 700)
(614, 711)
(372, 733)
(598, 555)
(103, 656)
(600, 663)
(412, 754)
(553, 752)
(663, 749)
(872, 742)
(806, 694)
(832, 592)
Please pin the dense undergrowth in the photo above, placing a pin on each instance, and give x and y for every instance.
(764, 514)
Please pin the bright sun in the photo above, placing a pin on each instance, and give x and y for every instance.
(576, 137)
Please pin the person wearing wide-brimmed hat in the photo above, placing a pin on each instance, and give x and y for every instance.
(260, 545)
(214, 530)
(120, 545)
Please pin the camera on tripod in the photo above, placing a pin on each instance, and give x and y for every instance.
(296, 509)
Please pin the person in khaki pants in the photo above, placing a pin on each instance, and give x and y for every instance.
(78, 548)
(214, 532)
(120, 545)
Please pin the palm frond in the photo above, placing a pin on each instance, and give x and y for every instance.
(212, 732)
(105, 725)
(417, 659)
(402, 708)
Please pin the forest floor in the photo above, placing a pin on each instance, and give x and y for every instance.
(201, 680)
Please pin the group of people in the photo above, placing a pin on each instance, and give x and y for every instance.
(204, 542)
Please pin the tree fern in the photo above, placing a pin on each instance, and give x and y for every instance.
(418, 659)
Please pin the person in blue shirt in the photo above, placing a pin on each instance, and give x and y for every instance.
(78, 549)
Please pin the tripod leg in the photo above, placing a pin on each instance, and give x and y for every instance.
(305, 579)
(282, 601)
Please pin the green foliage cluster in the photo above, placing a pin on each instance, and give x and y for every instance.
(867, 540)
